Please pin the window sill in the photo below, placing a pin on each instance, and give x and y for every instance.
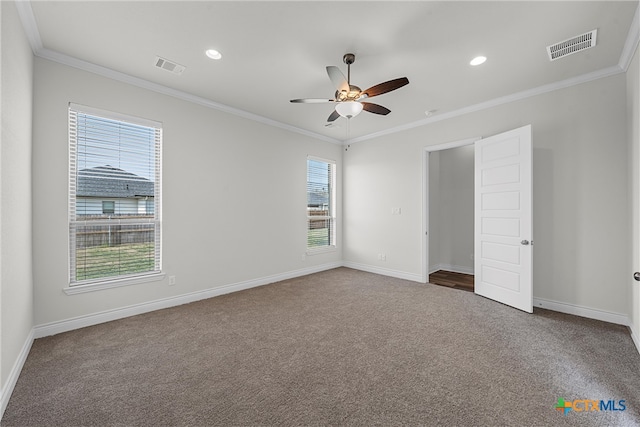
(323, 250)
(114, 283)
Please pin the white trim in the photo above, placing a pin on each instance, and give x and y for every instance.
(106, 316)
(634, 336)
(30, 25)
(114, 283)
(132, 310)
(424, 190)
(452, 144)
(633, 37)
(456, 268)
(113, 115)
(320, 159)
(578, 310)
(31, 29)
(7, 390)
(155, 87)
(584, 78)
(321, 249)
(384, 271)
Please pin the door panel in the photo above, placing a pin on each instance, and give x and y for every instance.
(503, 218)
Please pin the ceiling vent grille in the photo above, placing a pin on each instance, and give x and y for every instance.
(572, 45)
(170, 66)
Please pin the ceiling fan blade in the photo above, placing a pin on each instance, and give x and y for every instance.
(333, 116)
(375, 108)
(385, 87)
(312, 101)
(337, 78)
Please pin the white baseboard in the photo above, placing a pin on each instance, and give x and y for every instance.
(453, 268)
(132, 310)
(7, 390)
(106, 316)
(577, 310)
(434, 268)
(384, 271)
(634, 336)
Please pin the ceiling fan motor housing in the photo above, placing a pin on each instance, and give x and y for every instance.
(352, 95)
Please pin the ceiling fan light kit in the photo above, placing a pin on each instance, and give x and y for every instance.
(348, 97)
(349, 109)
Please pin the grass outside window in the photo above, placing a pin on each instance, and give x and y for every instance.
(108, 261)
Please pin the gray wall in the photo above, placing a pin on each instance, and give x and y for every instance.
(234, 194)
(580, 182)
(16, 297)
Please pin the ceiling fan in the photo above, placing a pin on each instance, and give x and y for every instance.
(349, 99)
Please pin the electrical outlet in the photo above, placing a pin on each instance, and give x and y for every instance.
(396, 211)
(383, 257)
(172, 280)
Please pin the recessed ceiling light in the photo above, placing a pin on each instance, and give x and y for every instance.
(478, 60)
(213, 54)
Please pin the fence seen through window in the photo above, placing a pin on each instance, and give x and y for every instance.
(114, 221)
(320, 203)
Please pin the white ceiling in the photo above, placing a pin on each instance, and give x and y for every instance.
(277, 51)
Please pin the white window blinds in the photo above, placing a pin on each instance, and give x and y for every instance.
(114, 195)
(320, 203)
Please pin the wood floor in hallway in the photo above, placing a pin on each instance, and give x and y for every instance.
(452, 280)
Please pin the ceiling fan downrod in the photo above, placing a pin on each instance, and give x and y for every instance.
(349, 58)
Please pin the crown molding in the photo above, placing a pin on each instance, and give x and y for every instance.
(155, 87)
(605, 72)
(630, 45)
(33, 35)
(29, 24)
(31, 29)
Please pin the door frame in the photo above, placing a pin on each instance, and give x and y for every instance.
(425, 196)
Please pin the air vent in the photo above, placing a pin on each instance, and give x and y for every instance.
(170, 66)
(572, 45)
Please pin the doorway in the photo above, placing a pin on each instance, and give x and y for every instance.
(451, 217)
(502, 232)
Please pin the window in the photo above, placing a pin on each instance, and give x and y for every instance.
(149, 206)
(114, 196)
(321, 177)
(108, 207)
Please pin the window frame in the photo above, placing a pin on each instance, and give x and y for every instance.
(88, 285)
(331, 217)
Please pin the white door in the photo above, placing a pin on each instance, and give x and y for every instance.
(503, 229)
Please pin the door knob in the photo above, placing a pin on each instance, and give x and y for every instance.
(636, 276)
(524, 242)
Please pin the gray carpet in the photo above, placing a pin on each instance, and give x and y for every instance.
(341, 347)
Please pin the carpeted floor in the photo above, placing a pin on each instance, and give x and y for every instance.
(341, 347)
